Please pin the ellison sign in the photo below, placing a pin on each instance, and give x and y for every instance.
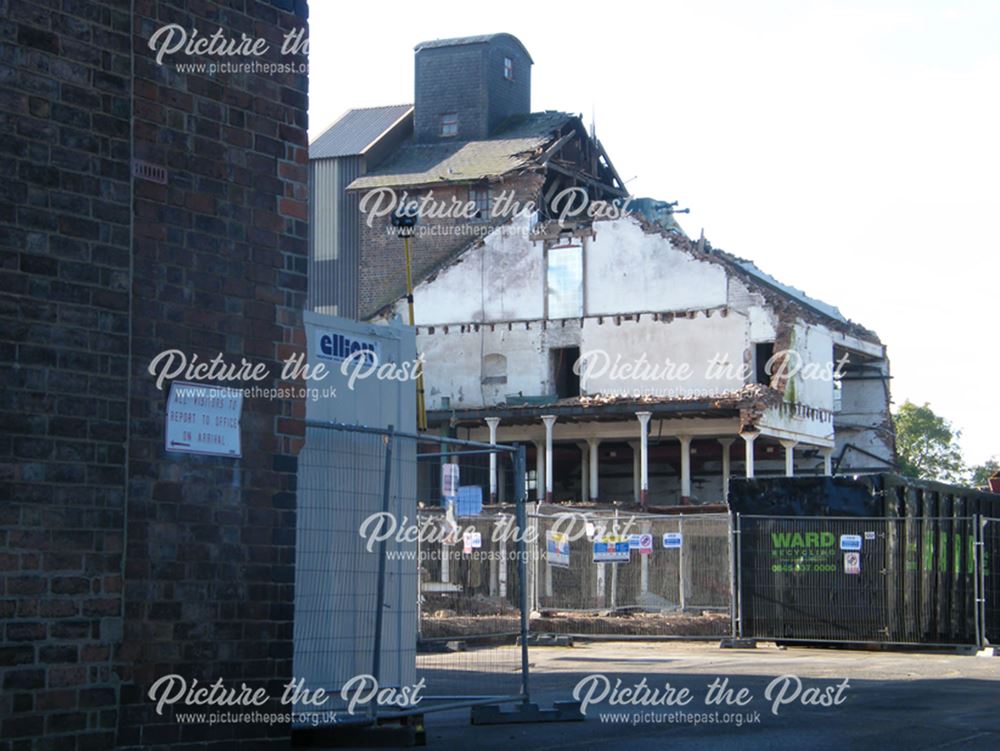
(336, 346)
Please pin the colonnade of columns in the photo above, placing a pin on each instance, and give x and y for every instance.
(589, 475)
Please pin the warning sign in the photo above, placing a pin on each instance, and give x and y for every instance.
(471, 541)
(611, 549)
(203, 419)
(557, 548)
(852, 563)
(643, 543)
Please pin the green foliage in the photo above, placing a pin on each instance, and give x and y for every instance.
(927, 445)
(981, 473)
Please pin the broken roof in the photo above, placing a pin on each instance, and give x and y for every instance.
(795, 293)
(514, 145)
(357, 131)
(750, 399)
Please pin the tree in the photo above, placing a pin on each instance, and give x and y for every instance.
(981, 473)
(927, 445)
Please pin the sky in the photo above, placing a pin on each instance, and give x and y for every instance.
(851, 149)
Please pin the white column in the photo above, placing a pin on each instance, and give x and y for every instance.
(594, 443)
(827, 461)
(685, 467)
(749, 438)
(643, 457)
(492, 422)
(634, 445)
(726, 471)
(539, 470)
(789, 457)
(550, 421)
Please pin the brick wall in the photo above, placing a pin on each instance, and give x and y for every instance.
(64, 239)
(120, 562)
(382, 273)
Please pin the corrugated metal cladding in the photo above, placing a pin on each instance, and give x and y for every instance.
(336, 231)
(356, 131)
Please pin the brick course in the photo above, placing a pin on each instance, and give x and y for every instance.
(120, 562)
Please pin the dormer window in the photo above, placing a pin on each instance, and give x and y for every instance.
(508, 69)
(449, 124)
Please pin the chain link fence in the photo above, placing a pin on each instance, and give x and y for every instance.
(611, 573)
(406, 601)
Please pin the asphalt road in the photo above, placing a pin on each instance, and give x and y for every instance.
(891, 700)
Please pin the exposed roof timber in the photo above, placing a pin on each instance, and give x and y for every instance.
(555, 148)
(611, 166)
(577, 175)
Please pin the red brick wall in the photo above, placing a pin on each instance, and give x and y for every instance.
(119, 562)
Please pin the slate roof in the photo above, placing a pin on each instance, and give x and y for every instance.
(357, 130)
(478, 39)
(512, 146)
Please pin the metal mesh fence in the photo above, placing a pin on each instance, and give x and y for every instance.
(602, 572)
(342, 482)
(989, 579)
(400, 581)
(902, 580)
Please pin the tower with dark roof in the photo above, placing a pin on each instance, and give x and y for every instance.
(464, 88)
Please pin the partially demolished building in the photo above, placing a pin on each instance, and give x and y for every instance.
(553, 309)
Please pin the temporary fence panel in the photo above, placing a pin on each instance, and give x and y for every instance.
(989, 579)
(632, 573)
(342, 487)
(470, 564)
(397, 590)
(904, 580)
(342, 480)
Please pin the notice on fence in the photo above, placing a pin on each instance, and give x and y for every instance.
(557, 548)
(643, 543)
(203, 419)
(611, 549)
(852, 563)
(449, 482)
(471, 541)
(850, 542)
(673, 540)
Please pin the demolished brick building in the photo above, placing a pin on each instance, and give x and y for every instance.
(553, 309)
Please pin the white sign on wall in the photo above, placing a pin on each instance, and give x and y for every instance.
(203, 419)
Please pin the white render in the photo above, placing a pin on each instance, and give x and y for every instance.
(482, 327)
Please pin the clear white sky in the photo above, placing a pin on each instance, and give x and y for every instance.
(849, 148)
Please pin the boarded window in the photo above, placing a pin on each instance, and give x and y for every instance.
(494, 369)
(564, 281)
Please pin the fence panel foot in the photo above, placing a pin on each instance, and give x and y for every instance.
(735, 642)
(493, 714)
